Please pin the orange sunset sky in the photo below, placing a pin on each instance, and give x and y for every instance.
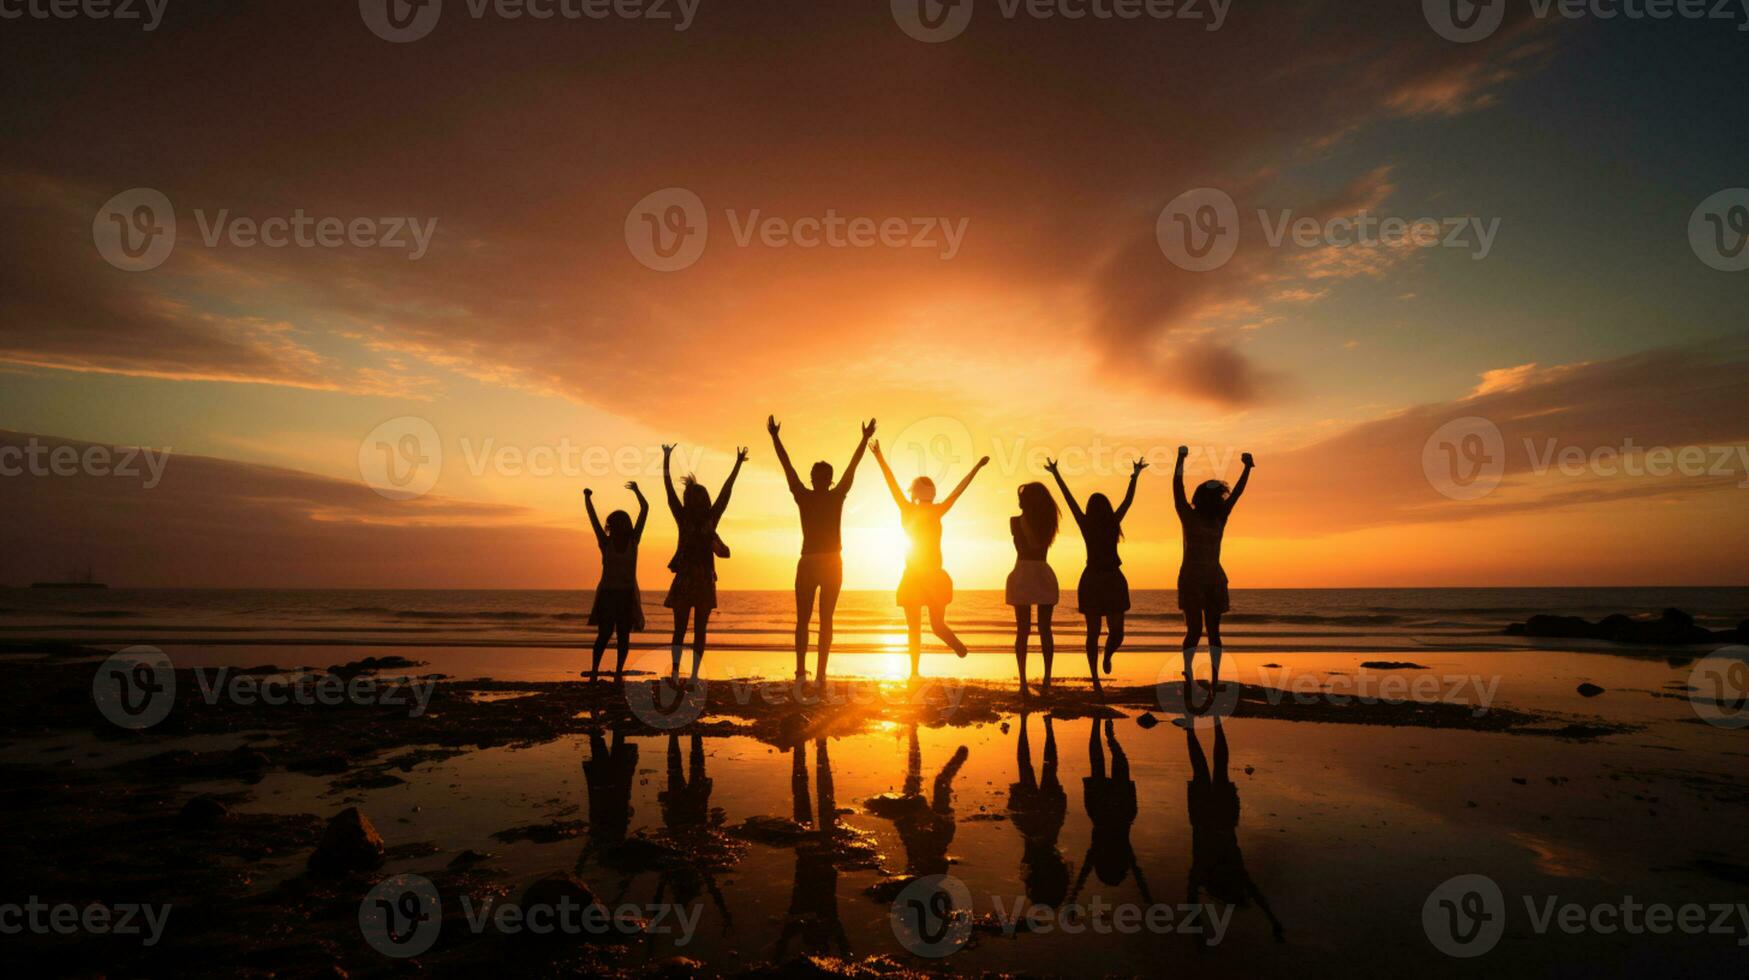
(1058, 325)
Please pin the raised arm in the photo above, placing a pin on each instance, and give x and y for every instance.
(722, 503)
(1244, 478)
(594, 521)
(1178, 501)
(668, 480)
(887, 471)
(1068, 498)
(643, 509)
(789, 470)
(1129, 496)
(947, 505)
(844, 482)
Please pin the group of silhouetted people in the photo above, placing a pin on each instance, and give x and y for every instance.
(1102, 593)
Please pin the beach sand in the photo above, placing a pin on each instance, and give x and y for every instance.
(784, 833)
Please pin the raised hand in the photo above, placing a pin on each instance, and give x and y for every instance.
(1141, 464)
(1247, 460)
(771, 424)
(740, 455)
(1183, 451)
(868, 429)
(875, 446)
(632, 485)
(588, 492)
(668, 449)
(982, 463)
(1050, 466)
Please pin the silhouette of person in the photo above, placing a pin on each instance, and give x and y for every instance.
(925, 826)
(694, 592)
(925, 583)
(1037, 809)
(1104, 593)
(821, 567)
(813, 904)
(1216, 865)
(1202, 583)
(1032, 583)
(619, 607)
(1110, 800)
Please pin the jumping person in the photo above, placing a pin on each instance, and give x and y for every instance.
(618, 609)
(1032, 583)
(694, 592)
(1104, 593)
(1202, 583)
(925, 583)
(821, 567)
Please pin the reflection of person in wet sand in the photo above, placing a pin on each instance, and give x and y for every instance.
(926, 827)
(1110, 799)
(686, 810)
(926, 583)
(608, 775)
(821, 568)
(1216, 866)
(813, 903)
(1037, 808)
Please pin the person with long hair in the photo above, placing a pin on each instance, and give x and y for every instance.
(1103, 593)
(694, 592)
(821, 568)
(1032, 584)
(619, 608)
(925, 583)
(1202, 582)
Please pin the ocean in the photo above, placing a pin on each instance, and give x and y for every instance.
(867, 622)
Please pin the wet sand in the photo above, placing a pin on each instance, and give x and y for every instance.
(1359, 792)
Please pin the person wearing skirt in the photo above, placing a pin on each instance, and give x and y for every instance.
(925, 584)
(694, 592)
(618, 608)
(1202, 582)
(1104, 593)
(1032, 584)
